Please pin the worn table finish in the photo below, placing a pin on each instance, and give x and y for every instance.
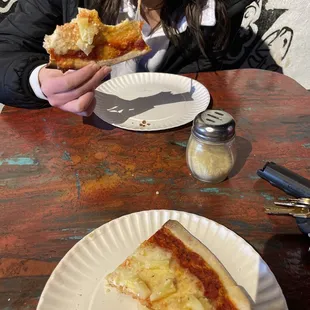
(60, 179)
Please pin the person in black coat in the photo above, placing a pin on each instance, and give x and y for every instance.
(185, 35)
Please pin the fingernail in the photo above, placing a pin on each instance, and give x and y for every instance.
(107, 69)
(96, 66)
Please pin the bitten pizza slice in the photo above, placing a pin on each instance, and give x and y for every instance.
(73, 45)
(173, 270)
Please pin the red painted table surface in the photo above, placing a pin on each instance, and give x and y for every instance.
(61, 178)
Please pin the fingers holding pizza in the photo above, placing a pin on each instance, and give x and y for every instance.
(87, 46)
(73, 91)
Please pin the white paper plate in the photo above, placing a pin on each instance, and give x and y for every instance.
(157, 100)
(78, 280)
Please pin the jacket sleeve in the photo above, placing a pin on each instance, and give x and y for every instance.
(21, 50)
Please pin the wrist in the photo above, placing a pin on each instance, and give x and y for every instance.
(34, 82)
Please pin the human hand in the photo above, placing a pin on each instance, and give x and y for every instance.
(73, 91)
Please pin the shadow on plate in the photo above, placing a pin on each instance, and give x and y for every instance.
(116, 110)
(267, 294)
(95, 121)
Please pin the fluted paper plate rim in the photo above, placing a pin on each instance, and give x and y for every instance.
(77, 281)
(149, 92)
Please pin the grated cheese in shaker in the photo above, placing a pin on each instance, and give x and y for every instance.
(211, 150)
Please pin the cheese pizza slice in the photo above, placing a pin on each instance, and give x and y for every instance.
(173, 270)
(73, 45)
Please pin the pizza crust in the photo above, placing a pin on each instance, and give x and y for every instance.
(235, 293)
(78, 63)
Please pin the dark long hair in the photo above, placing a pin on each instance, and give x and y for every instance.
(172, 12)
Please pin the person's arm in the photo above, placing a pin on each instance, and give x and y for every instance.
(22, 83)
(21, 51)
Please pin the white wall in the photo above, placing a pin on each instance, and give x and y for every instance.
(276, 36)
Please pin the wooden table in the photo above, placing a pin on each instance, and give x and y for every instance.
(60, 179)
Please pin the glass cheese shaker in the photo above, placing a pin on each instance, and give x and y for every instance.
(211, 149)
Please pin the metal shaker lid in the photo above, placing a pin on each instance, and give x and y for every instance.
(214, 126)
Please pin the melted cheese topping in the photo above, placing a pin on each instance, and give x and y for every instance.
(77, 35)
(158, 281)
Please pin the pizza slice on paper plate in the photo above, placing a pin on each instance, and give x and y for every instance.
(172, 270)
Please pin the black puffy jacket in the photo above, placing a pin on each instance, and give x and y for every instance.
(21, 51)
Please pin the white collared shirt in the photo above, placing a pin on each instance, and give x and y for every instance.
(157, 40)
